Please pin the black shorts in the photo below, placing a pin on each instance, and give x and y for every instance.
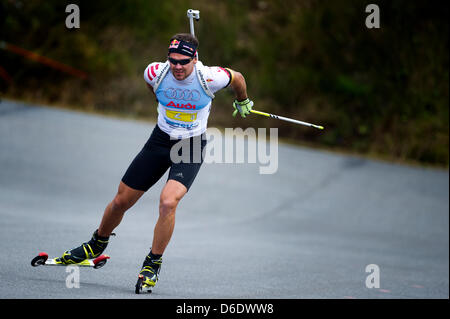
(155, 158)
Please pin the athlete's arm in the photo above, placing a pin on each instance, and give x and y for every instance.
(236, 81)
(150, 76)
(242, 103)
(151, 90)
(238, 85)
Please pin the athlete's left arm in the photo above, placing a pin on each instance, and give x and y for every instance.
(242, 103)
(238, 85)
(236, 81)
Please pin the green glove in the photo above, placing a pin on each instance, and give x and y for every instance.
(243, 107)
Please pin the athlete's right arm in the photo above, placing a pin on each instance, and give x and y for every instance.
(150, 75)
(151, 90)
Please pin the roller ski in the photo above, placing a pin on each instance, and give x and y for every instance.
(89, 254)
(42, 260)
(149, 275)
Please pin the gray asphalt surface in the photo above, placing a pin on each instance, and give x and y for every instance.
(307, 231)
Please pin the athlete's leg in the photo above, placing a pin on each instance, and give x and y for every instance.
(124, 199)
(171, 195)
(181, 177)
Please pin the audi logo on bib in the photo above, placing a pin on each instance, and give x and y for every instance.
(180, 94)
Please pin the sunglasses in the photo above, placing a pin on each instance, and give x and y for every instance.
(181, 62)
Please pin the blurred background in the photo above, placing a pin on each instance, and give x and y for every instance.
(380, 92)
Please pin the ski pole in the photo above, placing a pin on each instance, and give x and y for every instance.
(286, 119)
(195, 14)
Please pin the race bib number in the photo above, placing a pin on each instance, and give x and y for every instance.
(181, 116)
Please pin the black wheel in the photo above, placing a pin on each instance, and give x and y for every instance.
(38, 260)
(100, 261)
(138, 289)
(100, 264)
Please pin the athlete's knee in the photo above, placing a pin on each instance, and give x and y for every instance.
(125, 197)
(167, 205)
(121, 203)
(171, 195)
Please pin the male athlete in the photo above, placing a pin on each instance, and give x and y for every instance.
(184, 89)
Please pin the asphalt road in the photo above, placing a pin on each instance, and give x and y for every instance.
(307, 231)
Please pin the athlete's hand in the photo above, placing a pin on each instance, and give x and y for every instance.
(243, 107)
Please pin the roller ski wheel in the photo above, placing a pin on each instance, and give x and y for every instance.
(100, 261)
(43, 260)
(140, 280)
(141, 287)
(39, 259)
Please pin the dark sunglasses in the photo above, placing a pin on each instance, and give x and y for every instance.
(181, 62)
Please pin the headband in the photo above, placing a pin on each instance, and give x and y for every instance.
(182, 47)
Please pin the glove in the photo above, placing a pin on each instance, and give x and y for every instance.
(243, 107)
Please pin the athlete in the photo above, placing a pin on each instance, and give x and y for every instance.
(184, 89)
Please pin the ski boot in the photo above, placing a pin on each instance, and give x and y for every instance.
(149, 274)
(89, 250)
